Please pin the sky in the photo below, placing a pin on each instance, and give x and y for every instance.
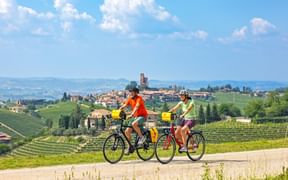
(165, 39)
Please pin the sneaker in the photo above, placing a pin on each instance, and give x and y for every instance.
(127, 151)
(141, 140)
(183, 149)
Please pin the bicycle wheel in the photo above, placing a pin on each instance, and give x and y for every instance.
(147, 151)
(196, 146)
(113, 148)
(165, 148)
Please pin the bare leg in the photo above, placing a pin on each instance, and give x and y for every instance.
(178, 133)
(128, 132)
(184, 135)
(137, 129)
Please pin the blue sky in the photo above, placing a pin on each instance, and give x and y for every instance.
(167, 40)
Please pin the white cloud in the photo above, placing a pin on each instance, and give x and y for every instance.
(240, 33)
(117, 14)
(261, 26)
(258, 26)
(25, 11)
(68, 14)
(200, 34)
(6, 8)
(40, 32)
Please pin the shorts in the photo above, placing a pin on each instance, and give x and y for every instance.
(140, 120)
(189, 122)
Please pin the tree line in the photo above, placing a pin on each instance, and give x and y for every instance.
(275, 105)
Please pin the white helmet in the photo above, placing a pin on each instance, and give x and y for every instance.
(184, 93)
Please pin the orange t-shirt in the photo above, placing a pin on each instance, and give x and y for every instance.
(141, 110)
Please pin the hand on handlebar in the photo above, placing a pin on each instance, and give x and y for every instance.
(130, 116)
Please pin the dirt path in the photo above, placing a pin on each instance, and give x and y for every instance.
(244, 164)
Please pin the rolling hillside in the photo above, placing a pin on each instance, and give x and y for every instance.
(54, 112)
(22, 123)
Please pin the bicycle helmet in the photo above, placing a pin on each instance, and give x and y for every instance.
(134, 89)
(184, 93)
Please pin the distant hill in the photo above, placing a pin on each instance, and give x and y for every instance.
(53, 88)
(55, 111)
(22, 123)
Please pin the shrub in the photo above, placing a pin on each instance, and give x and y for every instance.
(283, 119)
(4, 149)
(58, 132)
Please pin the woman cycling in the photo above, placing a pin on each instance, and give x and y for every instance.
(187, 119)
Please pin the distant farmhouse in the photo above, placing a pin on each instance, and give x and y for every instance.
(4, 138)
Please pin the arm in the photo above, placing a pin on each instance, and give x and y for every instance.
(124, 105)
(188, 110)
(175, 108)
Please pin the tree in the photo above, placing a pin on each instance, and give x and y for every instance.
(103, 124)
(76, 117)
(65, 97)
(215, 115)
(88, 123)
(208, 114)
(255, 109)
(165, 107)
(49, 123)
(228, 109)
(64, 122)
(201, 115)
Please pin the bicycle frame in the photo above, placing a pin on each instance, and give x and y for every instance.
(172, 132)
(121, 129)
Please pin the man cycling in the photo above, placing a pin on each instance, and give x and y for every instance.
(187, 119)
(138, 116)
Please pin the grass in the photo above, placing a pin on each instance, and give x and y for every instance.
(55, 111)
(24, 124)
(96, 157)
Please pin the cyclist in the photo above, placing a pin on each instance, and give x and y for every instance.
(137, 117)
(187, 119)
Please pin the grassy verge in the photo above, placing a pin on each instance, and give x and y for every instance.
(37, 161)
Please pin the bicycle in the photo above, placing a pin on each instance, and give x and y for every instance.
(114, 145)
(165, 147)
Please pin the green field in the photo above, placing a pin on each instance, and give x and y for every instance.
(240, 100)
(55, 111)
(24, 124)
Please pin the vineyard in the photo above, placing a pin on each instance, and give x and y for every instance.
(36, 148)
(238, 132)
(22, 123)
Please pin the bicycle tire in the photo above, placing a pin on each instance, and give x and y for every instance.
(196, 145)
(161, 148)
(117, 144)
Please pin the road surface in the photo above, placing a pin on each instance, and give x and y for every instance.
(236, 165)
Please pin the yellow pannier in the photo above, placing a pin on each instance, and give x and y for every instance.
(118, 114)
(167, 116)
(154, 134)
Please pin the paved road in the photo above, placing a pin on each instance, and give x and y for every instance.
(241, 164)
